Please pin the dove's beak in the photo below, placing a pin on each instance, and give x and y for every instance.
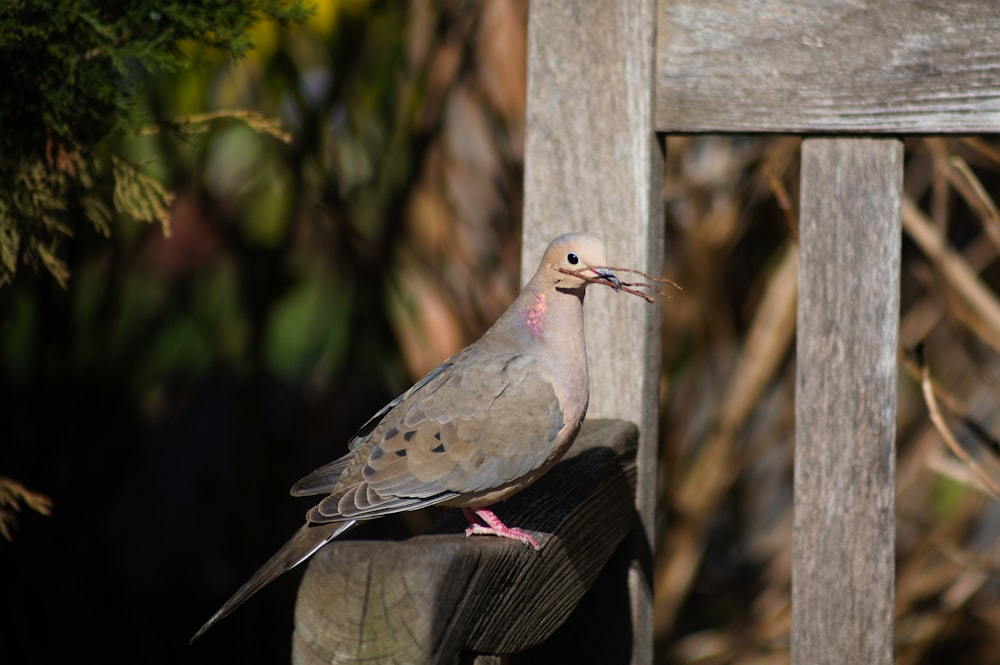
(608, 276)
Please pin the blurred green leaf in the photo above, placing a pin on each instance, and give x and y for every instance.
(307, 329)
(19, 335)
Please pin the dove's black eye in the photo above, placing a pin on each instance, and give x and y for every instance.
(572, 258)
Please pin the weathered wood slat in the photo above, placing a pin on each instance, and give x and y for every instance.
(848, 320)
(899, 66)
(593, 162)
(427, 599)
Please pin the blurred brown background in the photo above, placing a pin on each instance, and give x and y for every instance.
(168, 397)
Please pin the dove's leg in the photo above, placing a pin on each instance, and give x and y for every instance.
(494, 527)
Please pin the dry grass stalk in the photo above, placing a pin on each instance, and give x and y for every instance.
(915, 367)
(716, 468)
(984, 149)
(934, 412)
(972, 191)
(724, 548)
(954, 271)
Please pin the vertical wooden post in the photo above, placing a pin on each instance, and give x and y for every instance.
(593, 162)
(848, 320)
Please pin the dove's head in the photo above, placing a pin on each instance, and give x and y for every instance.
(574, 260)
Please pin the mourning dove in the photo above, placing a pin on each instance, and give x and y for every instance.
(483, 425)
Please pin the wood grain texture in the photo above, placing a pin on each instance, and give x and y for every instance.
(427, 599)
(917, 66)
(848, 321)
(593, 162)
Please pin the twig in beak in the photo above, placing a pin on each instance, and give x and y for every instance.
(605, 275)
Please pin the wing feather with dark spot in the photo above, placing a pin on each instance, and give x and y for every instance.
(444, 450)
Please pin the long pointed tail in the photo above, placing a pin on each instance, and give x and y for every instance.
(306, 541)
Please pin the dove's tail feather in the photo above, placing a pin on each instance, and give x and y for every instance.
(306, 541)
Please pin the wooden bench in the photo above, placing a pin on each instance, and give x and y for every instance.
(432, 598)
(841, 69)
(606, 80)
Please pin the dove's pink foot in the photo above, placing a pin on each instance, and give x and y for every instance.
(494, 527)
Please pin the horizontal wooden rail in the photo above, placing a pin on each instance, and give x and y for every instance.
(433, 597)
(828, 66)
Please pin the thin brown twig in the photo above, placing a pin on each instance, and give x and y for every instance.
(983, 148)
(597, 279)
(927, 387)
(955, 271)
(660, 280)
(911, 363)
(582, 273)
(971, 189)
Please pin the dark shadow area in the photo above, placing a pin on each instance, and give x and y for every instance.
(599, 632)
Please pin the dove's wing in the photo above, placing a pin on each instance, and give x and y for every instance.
(324, 479)
(468, 429)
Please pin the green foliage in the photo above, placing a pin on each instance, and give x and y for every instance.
(74, 69)
(315, 267)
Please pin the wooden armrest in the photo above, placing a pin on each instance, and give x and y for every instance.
(429, 598)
